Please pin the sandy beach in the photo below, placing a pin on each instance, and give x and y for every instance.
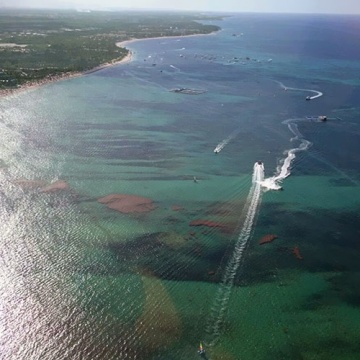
(125, 60)
(35, 84)
(68, 75)
(64, 76)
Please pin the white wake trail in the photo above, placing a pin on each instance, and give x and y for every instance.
(216, 318)
(224, 142)
(318, 93)
(283, 171)
(174, 67)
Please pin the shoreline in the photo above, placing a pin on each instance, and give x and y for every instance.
(124, 43)
(69, 75)
(63, 76)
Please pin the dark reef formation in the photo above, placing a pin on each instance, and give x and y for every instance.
(224, 227)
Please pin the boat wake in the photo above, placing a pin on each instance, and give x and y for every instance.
(318, 93)
(174, 67)
(284, 170)
(223, 143)
(216, 318)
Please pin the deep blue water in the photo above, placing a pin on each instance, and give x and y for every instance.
(80, 280)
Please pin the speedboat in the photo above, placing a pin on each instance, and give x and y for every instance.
(217, 149)
(308, 98)
(201, 350)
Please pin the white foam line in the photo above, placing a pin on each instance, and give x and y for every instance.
(224, 142)
(318, 93)
(219, 307)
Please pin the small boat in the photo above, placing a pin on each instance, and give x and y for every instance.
(322, 118)
(178, 90)
(201, 350)
(259, 162)
(308, 98)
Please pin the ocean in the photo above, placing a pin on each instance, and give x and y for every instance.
(190, 196)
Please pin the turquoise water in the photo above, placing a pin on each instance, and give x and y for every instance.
(80, 280)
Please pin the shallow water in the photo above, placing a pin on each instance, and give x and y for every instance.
(82, 281)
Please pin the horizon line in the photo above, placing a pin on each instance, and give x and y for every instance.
(219, 12)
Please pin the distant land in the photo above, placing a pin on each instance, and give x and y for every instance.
(43, 45)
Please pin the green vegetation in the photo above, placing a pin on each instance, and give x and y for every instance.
(40, 44)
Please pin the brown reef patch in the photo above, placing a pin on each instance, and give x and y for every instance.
(127, 204)
(267, 238)
(56, 186)
(296, 252)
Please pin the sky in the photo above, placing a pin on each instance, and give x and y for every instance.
(282, 6)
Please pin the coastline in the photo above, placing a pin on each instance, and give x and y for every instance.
(38, 83)
(64, 76)
(124, 43)
(125, 60)
(69, 75)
